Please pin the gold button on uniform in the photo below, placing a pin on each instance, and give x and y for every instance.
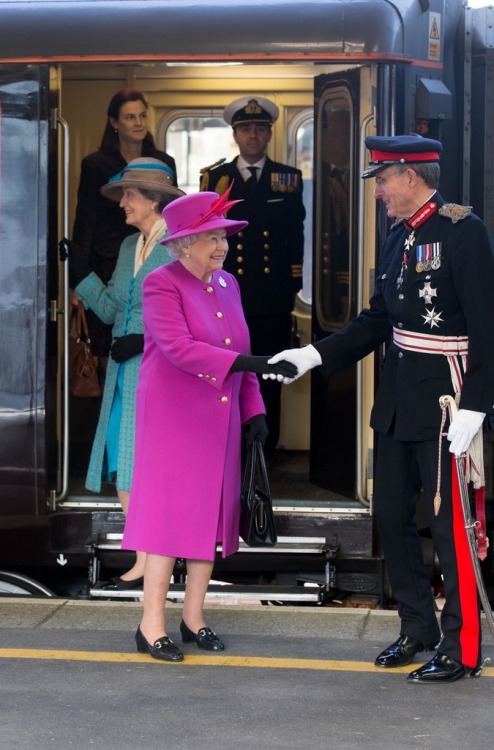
(240, 246)
(219, 314)
(240, 259)
(209, 289)
(267, 270)
(224, 399)
(228, 342)
(265, 233)
(240, 271)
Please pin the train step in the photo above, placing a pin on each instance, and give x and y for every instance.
(224, 592)
(293, 544)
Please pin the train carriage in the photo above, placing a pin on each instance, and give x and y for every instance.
(338, 71)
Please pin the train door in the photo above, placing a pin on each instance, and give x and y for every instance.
(28, 281)
(344, 254)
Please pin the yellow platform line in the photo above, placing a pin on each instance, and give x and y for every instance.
(329, 665)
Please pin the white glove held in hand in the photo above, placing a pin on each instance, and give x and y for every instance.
(463, 429)
(304, 359)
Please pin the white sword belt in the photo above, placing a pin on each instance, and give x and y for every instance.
(455, 348)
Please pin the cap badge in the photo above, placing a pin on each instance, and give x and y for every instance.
(252, 108)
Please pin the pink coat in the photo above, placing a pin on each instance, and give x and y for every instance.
(186, 483)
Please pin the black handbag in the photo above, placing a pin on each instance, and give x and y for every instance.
(257, 527)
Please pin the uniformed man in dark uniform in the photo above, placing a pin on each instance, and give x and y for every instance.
(433, 302)
(266, 258)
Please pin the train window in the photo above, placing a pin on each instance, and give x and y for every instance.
(196, 140)
(301, 142)
(333, 209)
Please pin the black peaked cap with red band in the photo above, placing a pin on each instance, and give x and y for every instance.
(399, 149)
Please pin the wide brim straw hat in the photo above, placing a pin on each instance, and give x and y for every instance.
(144, 174)
(199, 212)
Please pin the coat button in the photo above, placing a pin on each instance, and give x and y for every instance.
(240, 259)
(240, 271)
(400, 325)
(213, 380)
(265, 233)
(200, 375)
(401, 355)
(267, 270)
(266, 258)
(401, 296)
(228, 342)
(240, 246)
(209, 289)
(219, 314)
(224, 399)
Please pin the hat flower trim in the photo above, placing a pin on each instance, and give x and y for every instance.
(218, 209)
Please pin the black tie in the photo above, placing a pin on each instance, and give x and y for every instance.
(251, 183)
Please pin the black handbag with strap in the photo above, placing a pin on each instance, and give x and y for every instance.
(257, 527)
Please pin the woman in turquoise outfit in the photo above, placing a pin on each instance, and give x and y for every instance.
(143, 189)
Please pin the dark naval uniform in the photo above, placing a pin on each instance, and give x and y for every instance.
(433, 297)
(265, 258)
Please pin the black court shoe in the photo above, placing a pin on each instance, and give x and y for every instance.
(119, 584)
(205, 638)
(401, 652)
(163, 648)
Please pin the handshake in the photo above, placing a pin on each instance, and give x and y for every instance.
(285, 367)
(303, 359)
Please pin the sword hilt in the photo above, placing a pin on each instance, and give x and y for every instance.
(448, 402)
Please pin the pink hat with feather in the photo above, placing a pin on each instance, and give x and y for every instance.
(199, 212)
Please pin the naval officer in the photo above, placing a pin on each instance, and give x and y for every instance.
(266, 258)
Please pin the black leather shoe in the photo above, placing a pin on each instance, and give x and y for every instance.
(442, 668)
(401, 652)
(119, 584)
(163, 648)
(205, 638)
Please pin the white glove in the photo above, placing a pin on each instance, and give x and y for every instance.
(463, 429)
(304, 359)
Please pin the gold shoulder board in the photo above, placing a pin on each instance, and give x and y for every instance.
(212, 166)
(455, 212)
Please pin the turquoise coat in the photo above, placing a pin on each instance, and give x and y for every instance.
(119, 304)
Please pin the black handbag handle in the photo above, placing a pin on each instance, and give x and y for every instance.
(255, 469)
(263, 472)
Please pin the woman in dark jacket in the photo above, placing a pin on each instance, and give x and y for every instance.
(100, 227)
